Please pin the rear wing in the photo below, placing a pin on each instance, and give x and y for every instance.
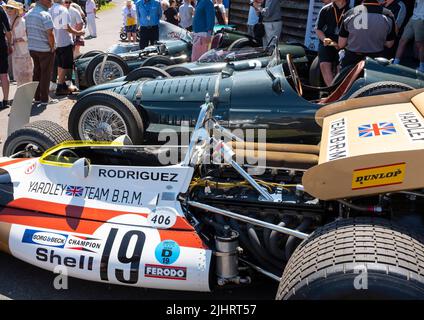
(370, 148)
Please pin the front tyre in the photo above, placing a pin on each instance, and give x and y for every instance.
(359, 258)
(41, 134)
(105, 116)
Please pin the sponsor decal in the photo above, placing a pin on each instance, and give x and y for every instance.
(413, 125)
(31, 168)
(378, 176)
(167, 252)
(337, 140)
(165, 272)
(61, 240)
(44, 238)
(87, 192)
(376, 129)
(50, 256)
(138, 175)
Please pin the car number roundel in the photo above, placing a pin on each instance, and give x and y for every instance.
(162, 217)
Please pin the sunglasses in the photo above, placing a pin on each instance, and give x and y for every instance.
(67, 2)
(9, 8)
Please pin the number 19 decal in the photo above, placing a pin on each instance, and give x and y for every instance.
(133, 260)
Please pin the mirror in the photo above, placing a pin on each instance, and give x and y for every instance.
(81, 168)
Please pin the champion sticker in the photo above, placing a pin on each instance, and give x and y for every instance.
(167, 252)
(378, 176)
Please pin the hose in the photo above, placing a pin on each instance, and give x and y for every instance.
(291, 241)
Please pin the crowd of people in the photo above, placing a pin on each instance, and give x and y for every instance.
(197, 16)
(39, 43)
(375, 28)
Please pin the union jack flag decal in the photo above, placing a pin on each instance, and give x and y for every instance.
(376, 129)
(74, 191)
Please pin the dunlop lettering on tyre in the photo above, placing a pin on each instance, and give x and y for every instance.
(378, 176)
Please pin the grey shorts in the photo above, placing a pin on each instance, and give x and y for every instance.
(414, 30)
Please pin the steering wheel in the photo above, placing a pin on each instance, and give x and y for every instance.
(294, 75)
(67, 151)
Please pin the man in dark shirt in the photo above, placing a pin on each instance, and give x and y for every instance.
(327, 29)
(5, 50)
(366, 30)
(171, 14)
(398, 8)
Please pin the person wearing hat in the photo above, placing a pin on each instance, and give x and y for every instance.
(5, 50)
(21, 59)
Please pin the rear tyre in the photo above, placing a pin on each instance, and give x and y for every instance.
(379, 88)
(157, 61)
(177, 71)
(114, 68)
(240, 43)
(105, 116)
(147, 73)
(42, 134)
(359, 258)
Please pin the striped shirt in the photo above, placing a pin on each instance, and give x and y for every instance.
(38, 21)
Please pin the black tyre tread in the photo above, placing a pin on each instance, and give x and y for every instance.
(49, 131)
(178, 71)
(338, 246)
(146, 72)
(380, 86)
(98, 59)
(152, 61)
(239, 43)
(109, 97)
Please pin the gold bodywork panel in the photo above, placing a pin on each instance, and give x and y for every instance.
(370, 150)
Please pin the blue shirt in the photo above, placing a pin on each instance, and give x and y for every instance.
(204, 17)
(148, 12)
(38, 21)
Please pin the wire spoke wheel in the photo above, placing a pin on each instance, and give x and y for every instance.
(101, 123)
(111, 71)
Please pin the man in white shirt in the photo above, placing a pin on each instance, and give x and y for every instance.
(76, 23)
(414, 30)
(186, 12)
(90, 10)
(64, 44)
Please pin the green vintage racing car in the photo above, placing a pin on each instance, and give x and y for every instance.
(270, 98)
(96, 67)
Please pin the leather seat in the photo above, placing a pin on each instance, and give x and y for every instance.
(345, 85)
(293, 156)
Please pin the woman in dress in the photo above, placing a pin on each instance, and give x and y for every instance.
(21, 59)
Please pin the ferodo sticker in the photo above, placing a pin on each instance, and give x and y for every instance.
(162, 217)
(167, 252)
(378, 176)
(337, 139)
(165, 272)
